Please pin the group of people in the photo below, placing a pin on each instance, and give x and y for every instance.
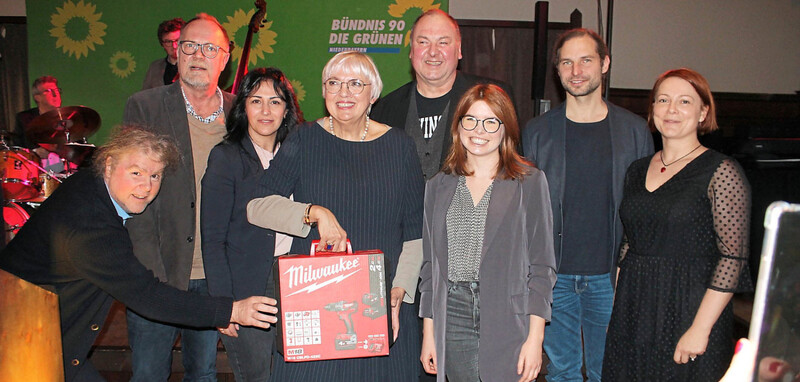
(585, 244)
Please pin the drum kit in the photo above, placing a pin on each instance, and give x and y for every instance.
(25, 182)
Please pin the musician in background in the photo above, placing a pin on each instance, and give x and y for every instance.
(47, 96)
(164, 71)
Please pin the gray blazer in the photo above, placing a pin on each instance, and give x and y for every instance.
(544, 144)
(163, 235)
(155, 74)
(517, 271)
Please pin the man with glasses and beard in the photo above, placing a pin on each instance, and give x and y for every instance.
(166, 237)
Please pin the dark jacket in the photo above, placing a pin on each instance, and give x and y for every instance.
(77, 245)
(392, 109)
(18, 136)
(543, 142)
(163, 235)
(517, 271)
(237, 255)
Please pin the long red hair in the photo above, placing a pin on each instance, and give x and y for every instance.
(511, 164)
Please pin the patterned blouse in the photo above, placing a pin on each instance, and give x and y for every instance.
(465, 230)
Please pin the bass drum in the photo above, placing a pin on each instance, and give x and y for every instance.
(20, 174)
(14, 217)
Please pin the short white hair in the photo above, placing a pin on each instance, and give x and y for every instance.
(355, 63)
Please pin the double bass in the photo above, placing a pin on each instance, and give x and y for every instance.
(256, 22)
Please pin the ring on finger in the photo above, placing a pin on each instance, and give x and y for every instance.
(692, 358)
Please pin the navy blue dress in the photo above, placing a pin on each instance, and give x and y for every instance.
(376, 191)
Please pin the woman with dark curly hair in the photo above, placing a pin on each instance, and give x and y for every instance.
(237, 256)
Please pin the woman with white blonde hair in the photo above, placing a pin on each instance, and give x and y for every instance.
(356, 179)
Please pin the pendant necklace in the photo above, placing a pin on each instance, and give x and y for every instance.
(665, 165)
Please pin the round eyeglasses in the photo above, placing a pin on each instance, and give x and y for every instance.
(490, 125)
(209, 50)
(354, 86)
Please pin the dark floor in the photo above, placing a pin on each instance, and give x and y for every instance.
(111, 354)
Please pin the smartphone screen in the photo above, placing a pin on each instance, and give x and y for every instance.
(775, 323)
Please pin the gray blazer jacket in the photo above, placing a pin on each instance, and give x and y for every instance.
(517, 271)
(163, 235)
(544, 143)
(155, 74)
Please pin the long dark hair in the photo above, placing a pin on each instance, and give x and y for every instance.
(237, 122)
(511, 164)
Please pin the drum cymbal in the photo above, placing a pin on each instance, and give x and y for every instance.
(63, 125)
(75, 152)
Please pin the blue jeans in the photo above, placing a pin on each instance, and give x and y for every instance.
(462, 333)
(579, 302)
(152, 342)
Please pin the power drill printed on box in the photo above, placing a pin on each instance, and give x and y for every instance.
(332, 306)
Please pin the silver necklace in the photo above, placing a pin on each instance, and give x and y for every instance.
(363, 135)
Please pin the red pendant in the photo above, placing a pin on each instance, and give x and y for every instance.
(663, 169)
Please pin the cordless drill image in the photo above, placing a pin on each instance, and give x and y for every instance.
(345, 310)
(376, 305)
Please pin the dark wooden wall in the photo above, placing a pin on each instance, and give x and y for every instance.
(503, 50)
(740, 115)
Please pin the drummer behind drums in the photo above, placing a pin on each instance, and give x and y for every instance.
(47, 96)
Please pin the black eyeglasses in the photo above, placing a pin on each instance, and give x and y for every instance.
(354, 86)
(169, 42)
(490, 125)
(209, 50)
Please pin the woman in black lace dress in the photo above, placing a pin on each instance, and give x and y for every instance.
(686, 213)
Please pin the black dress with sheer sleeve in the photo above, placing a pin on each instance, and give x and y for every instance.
(685, 237)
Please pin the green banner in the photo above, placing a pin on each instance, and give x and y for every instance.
(100, 50)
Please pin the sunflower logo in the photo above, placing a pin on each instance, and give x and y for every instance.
(122, 64)
(299, 91)
(77, 28)
(240, 21)
(399, 8)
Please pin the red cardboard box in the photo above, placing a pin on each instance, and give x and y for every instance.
(332, 306)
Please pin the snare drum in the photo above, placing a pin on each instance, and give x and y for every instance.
(14, 217)
(49, 183)
(20, 174)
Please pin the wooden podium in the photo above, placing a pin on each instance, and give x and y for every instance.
(30, 332)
